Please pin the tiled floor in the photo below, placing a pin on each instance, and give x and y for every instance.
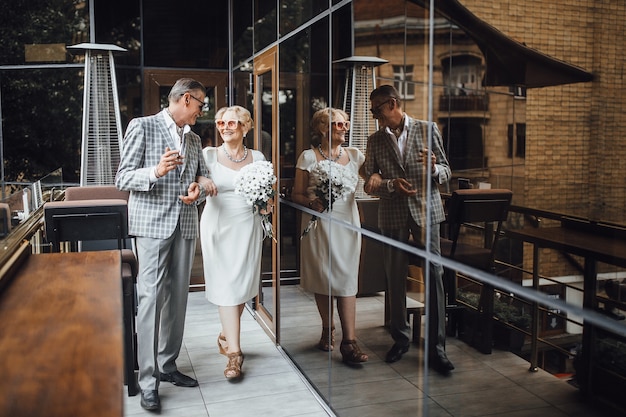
(271, 386)
(481, 385)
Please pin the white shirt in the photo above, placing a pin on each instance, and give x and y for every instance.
(173, 128)
(401, 141)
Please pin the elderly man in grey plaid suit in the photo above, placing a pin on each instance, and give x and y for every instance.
(395, 170)
(163, 168)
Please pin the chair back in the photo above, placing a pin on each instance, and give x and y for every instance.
(487, 208)
(5, 220)
(86, 220)
(95, 192)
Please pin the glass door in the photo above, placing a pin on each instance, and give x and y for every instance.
(266, 140)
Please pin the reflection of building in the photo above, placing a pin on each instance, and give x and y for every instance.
(473, 132)
(493, 95)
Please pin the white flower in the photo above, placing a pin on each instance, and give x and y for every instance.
(332, 181)
(255, 182)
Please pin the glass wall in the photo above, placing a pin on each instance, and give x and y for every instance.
(547, 144)
(41, 89)
(442, 75)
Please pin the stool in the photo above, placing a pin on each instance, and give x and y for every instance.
(415, 309)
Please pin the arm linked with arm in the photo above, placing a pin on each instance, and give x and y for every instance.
(370, 172)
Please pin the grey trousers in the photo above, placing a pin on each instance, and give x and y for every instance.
(396, 270)
(162, 291)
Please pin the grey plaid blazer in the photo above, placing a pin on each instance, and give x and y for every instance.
(383, 156)
(154, 209)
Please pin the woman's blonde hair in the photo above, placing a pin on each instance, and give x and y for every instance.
(320, 123)
(243, 115)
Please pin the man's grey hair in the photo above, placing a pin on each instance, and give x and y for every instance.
(183, 86)
(386, 91)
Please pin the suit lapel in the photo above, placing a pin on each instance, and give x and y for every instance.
(415, 139)
(169, 140)
(394, 145)
(186, 150)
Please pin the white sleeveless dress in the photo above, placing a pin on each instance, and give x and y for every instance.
(344, 244)
(231, 237)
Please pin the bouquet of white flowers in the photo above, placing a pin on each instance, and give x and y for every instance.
(332, 181)
(255, 182)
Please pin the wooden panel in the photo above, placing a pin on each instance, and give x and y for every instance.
(61, 337)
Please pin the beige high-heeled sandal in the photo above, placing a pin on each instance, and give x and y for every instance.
(222, 344)
(351, 354)
(233, 368)
(327, 340)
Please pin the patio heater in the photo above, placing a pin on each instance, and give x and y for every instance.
(102, 128)
(360, 81)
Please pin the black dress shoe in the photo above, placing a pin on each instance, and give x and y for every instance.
(396, 352)
(179, 379)
(442, 364)
(150, 400)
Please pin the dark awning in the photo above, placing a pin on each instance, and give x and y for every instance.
(508, 61)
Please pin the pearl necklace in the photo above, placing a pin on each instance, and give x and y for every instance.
(319, 147)
(243, 158)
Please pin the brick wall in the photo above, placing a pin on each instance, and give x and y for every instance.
(576, 134)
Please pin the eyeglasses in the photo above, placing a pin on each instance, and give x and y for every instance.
(376, 110)
(342, 125)
(229, 124)
(203, 106)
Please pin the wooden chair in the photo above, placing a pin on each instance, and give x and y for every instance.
(95, 218)
(475, 209)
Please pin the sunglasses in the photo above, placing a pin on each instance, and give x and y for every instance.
(376, 110)
(203, 107)
(342, 125)
(229, 124)
(202, 103)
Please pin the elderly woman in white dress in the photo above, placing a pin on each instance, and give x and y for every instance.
(231, 234)
(341, 280)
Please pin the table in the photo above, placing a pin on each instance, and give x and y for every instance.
(593, 247)
(61, 336)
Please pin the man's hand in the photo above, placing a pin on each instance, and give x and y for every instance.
(403, 187)
(433, 159)
(193, 192)
(170, 160)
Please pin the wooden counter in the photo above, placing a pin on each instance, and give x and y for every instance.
(61, 337)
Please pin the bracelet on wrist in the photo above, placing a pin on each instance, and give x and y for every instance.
(390, 187)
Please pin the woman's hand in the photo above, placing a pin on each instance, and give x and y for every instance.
(210, 189)
(373, 183)
(316, 205)
(269, 208)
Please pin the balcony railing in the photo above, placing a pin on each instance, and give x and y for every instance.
(598, 350)
(475, 102)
